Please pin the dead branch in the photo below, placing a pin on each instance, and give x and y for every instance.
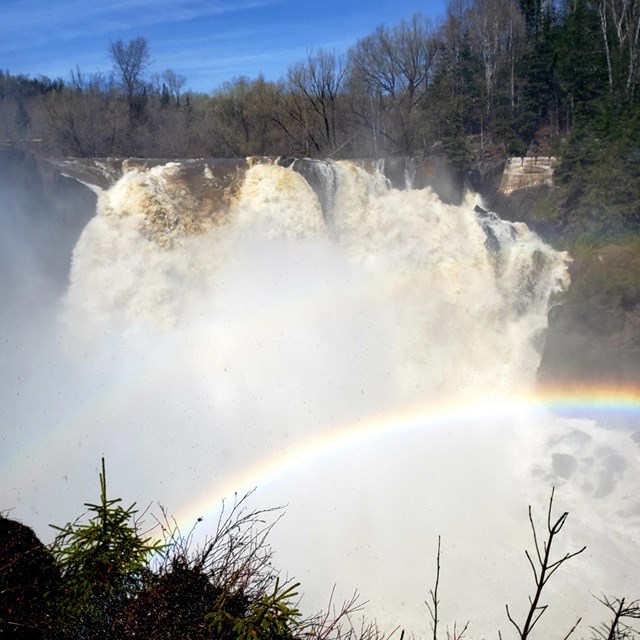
(455, 634)
(543, 567)
(236, 557)
(433, 607)
(330, 622)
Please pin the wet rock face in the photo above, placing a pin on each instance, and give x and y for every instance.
(594, 335)
(592, 342)
(27, 575)
(41, 217)
(600, 317)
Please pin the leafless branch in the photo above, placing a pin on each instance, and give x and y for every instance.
(575, 626)
(542, 573)
(433, 607)
(236, 556)
(457, 635)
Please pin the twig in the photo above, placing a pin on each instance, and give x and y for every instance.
(543, 569)
(433, 607)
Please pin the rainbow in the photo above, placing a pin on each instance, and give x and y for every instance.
(581, 402)
(587, 402)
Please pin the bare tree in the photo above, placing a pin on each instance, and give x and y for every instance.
(315, 85)
(391, 69)
(174, 82)
(456, 634)
(495, 26)
(243, 118)
(620, 25)
(88, 118)
(433, 593)
(130, 61)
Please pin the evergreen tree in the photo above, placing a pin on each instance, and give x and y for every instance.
(101, 563)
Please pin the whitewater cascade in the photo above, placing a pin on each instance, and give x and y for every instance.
(463, 296)
(346, 347)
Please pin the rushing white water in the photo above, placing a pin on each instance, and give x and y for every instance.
(206, 347)
(475, 312)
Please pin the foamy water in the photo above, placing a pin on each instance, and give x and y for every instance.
(375, 373)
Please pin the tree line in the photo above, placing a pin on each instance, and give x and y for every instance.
(492, 78)
(493, 75)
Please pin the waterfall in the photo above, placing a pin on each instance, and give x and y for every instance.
(463, 295)
(362, 353)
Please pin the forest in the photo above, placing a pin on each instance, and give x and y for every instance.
(491, 79)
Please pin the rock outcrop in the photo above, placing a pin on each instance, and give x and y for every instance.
(522, 173)
(594, 335)
(42, 215)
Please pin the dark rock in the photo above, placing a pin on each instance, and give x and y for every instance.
(396, 171)
(588, 319)
(28, 575)
(594, 336)
(485, 178)
(436, 172)
(320, 174)
(521, 206)
(42, 215)
(574, 356)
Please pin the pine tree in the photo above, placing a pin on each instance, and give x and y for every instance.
(101, 563)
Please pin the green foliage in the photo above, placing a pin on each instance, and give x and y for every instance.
(535, 68)
(579, 58)
(599, 174)
(22, 119)
(272, 617)
(546, 209)
(165, 97)
(101, 563)
(230, 571)
(224, 589)
(23, 87)
(454, 141)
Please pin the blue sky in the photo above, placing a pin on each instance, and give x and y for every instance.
(208, 41)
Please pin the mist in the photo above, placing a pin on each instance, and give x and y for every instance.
(375, 376)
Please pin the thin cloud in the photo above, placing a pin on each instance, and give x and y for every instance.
(206, 41)
(72, 18)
